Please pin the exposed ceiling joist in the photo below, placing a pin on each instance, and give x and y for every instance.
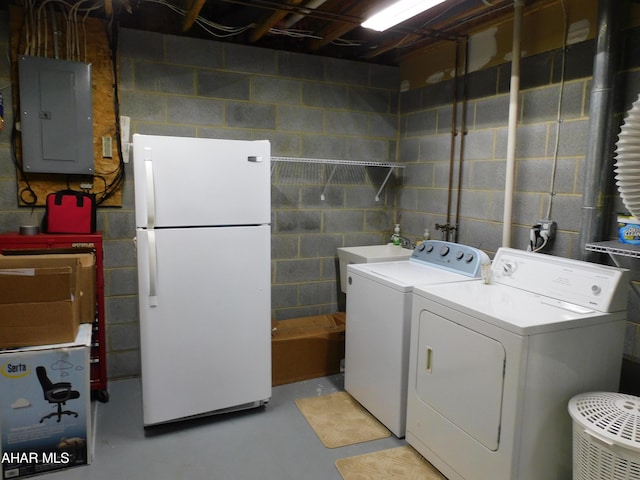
(330, 32)
(329, 28)
(192, 13)
(388, 46)
(268, 23)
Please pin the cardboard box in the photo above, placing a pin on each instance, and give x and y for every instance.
(36, 307)
(308, 347)
(83, 267)
(44, 298)
(32, 438)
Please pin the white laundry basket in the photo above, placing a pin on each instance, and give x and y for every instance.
(606, 436)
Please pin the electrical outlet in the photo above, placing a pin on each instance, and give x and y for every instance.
(547, 229)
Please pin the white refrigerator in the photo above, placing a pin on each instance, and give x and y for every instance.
(203, 213)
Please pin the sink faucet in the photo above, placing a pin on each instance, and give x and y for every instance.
(404, 242)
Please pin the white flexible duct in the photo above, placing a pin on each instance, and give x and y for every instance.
(627, 154)
(513, 124)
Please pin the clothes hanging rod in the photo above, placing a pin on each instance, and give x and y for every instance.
(329, 161)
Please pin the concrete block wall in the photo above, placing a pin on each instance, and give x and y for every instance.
(425, 144)
(308, 107)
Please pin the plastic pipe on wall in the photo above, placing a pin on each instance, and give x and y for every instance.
(513, 123)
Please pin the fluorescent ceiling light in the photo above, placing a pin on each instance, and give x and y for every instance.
(398, 12)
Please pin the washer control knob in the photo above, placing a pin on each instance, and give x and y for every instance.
(507, 269)
(429, 248)
(421, 247)
(469, 258)
(459, 255)
(444, 250)
(595, 289)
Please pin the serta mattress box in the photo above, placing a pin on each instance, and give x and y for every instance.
(45, 415)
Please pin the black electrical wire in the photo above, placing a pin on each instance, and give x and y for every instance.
(117, 182)
(27, 195)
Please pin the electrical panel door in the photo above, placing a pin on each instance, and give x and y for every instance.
(56, 116)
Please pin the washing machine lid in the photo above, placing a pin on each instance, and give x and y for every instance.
(433, 261)
(403, 276)
(514, 310)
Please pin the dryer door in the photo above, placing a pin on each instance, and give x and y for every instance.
(460, 374)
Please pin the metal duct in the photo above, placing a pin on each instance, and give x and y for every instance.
(598, 171)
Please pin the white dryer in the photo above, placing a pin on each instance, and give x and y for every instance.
(379, 297)
(493, 366)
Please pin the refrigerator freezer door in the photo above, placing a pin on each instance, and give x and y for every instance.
(206, 344)
(185, 182)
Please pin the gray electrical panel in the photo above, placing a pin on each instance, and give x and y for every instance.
(56, 116)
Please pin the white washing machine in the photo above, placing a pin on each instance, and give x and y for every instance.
(493, 366)
(379, 321)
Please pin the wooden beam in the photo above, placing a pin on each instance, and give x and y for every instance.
(385, 47)
(272, 20)
(192, 14)
(329, 34)
(336, 29)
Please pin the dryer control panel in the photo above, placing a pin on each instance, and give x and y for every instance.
(451, 256)
(571, 283)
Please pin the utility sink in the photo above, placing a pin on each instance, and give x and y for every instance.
(368, 254)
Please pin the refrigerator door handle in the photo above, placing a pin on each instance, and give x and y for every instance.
(151, 194)
(153, 268)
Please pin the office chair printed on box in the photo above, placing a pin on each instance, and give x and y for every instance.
(57, 393)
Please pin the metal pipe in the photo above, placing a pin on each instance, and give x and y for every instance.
(446, 228)
(598, 167)
(513, 124)
(463, 133)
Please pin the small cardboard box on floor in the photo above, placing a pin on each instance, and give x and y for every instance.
(45, 425)
(44, 298)
(307, 347)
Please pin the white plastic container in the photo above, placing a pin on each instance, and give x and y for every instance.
(606, 436)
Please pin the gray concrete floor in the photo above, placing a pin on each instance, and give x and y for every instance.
(270, 443)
